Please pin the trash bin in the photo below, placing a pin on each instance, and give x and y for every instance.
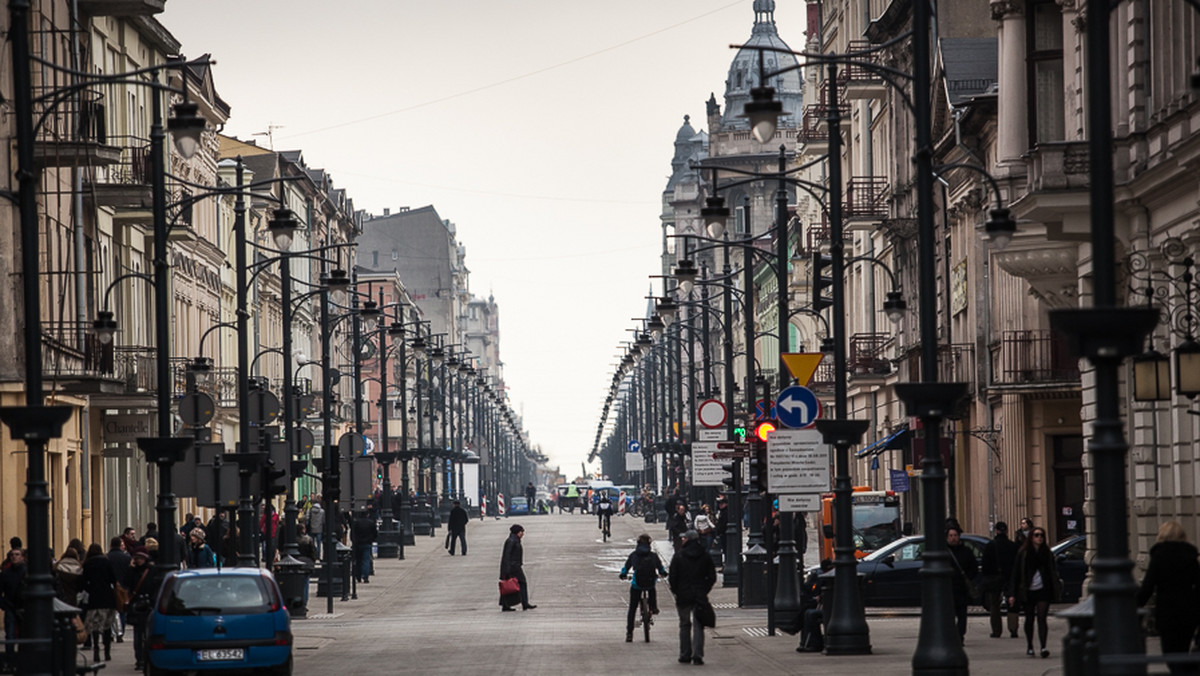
(345, 557)
(62, 643)
(292, 575)
(421, 520)
(341, 574)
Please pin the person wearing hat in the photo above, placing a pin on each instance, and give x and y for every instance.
(457, 527)
(511, 561)
(691, 576)
(199, 555)
(998, 557)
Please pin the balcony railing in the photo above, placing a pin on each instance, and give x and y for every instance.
(1033, 357)
(867, 354)
(956, 363)
(866, 197)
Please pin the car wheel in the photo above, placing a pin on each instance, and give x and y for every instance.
(284, 669)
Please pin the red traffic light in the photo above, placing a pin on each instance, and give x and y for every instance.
(764, 430)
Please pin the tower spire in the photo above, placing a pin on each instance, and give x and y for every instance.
(764, 12)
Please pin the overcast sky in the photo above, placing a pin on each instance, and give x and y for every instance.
(543, 129)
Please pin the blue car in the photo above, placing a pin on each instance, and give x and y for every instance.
(219, 620)
(518, 506)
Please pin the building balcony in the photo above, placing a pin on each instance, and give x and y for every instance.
(1033, 358)
(125, 183)
(956, 363)
(1055, 167)
(867, 355)
(858, 81)
(816, 236)
(865, 203)
(122, 7)
(75, 360)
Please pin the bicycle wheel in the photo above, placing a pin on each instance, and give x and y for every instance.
(647, 617)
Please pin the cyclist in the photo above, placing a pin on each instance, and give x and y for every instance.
(604, 511)
(646, 567)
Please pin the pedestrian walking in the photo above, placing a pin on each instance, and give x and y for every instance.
(138, 581)
(68, 576)
(99, 582)
(679, 523)
(1035, 584)
(646, 568)
(268, 525)
(363, 533)
(998, 557)
(691, 577)
(512, 562)
(1026, 526)
(12, 582)
(316, 524)
(1173, 578)
(965, 571)
(457, 527)
(120, 559)
(703, 524)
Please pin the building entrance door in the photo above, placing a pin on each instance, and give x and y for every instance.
(1068, 486)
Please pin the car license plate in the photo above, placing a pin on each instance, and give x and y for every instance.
(220, 654)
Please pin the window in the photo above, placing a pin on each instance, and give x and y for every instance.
(374, 259)
(395, 255)
(1044, 40)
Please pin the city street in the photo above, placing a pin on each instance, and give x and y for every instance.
(437, 614)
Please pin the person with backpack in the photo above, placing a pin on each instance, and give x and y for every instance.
(646, 567)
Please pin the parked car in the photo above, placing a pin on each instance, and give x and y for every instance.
(891, 574)
(215, 620)
(517, 506)
(1072, 567)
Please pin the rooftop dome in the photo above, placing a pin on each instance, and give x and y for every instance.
(744, 72)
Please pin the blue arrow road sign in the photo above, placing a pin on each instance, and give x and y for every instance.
(797, 407)
(635, 446)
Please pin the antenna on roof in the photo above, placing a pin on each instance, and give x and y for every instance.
(269, 133)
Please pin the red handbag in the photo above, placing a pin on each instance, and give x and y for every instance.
(510, 586)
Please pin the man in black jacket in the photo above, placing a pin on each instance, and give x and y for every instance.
(965, 569)
(691, 577)
(457, 527)
(363, 532)
(998, 558)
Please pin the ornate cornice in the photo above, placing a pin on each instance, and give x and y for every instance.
(1051, 271)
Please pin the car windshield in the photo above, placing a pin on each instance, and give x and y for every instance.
(876, 525)
(216, 595)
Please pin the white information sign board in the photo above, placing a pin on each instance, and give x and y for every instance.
(799, 502)
(797, 462)
(634, 462)
(706, 470)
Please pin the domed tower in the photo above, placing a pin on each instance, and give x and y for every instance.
(681, 197)
(744, 73)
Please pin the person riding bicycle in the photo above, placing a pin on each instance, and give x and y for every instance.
(646, 567)
(604, 511)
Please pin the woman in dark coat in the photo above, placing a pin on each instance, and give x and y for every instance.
(1173, 576)
(510, 566)
(1035, 583)
(99, 582)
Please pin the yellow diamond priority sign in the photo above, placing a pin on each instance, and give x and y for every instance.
(802, 365)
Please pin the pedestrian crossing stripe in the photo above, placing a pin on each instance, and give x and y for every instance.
(756, 632)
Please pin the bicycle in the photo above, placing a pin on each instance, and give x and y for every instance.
(606, 526)
(647, 617)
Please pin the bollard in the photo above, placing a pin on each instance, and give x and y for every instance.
(754, 578)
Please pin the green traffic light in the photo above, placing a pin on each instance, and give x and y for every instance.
(740, 433)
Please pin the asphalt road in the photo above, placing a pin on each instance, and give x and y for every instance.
(438, 614)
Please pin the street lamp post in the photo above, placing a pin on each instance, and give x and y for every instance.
(1106, 334)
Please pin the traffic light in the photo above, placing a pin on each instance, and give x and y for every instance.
(275, 480)
(764, 429)
(332, 487)
(821, 281)
(757, 470)
(740, 433)
(730, 479)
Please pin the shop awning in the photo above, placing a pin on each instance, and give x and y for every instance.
(895, 440)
